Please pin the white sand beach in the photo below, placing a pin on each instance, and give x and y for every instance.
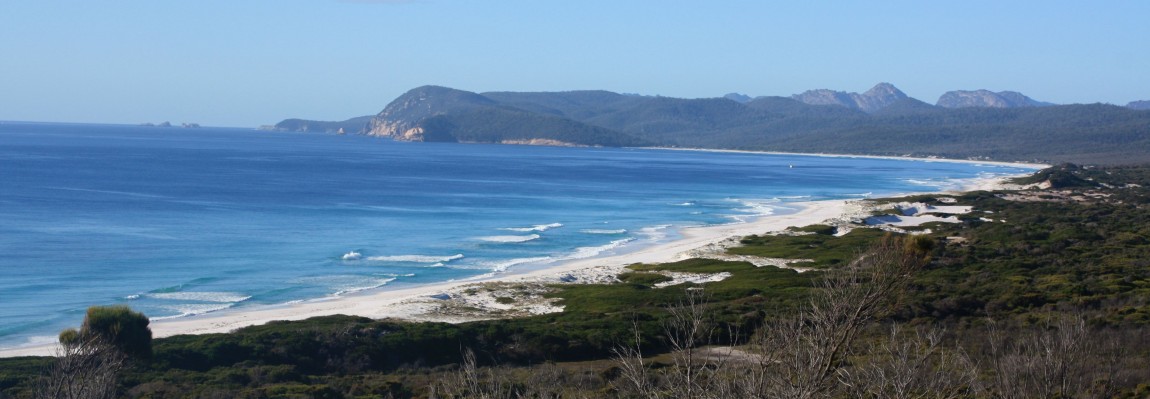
(424, 303)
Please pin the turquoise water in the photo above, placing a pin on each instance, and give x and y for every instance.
(177, 222)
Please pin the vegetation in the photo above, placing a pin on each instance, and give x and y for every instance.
(89, 360)
(353, 125)
(1083, 133)
(822, 247)
(118, 326)
(500, 124)
(1039, 293)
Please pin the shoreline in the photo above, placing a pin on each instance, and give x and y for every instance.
(409, 302)
(890, 157)
(419, 303)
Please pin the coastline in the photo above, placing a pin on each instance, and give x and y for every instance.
(891, 157)
(410, 303)
(419, 303)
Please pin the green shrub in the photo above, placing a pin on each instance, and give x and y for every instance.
(116, 325)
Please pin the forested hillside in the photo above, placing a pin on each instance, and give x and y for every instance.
(892, 124)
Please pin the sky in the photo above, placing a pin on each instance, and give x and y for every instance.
(246, 63)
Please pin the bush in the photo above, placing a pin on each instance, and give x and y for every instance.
(118, 326)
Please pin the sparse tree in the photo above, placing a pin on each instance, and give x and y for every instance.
(84, 369)
(912, 365)
(633, 368)
(688, 328)
(809, 349)
(792, 357)
(89, 360)
(1060, 358)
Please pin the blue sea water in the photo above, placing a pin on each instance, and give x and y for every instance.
(177, 222)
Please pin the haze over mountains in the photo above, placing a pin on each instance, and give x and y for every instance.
(977, 124)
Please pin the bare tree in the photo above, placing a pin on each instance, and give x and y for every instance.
(84, 369)
(808, 349)
(792, 357)
(695, 370)
(633, 367)
(688, 328)
(471, 381)
(914, 365)
(1060, 358)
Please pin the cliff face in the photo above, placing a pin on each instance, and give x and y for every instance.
(987, 99)
(878, 97)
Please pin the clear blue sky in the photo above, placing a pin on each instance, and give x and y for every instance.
(252, 62)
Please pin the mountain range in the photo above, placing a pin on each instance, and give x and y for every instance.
(979, 124)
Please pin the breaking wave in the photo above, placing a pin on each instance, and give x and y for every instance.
(603, 231)
(206, 296)
(538, 227)
(346, 284)
(502, 266)
(590, 252)
(185, 310)
(416, 258)
(376, 284)
(758, 207)
(510, 239)
(655, 233)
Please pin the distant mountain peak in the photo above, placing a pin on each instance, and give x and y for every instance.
(878, 97)
(884, 89)
(987, 99)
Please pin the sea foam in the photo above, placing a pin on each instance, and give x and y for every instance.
(509, 239)
(758, 207)
(590, 252)
(502, 266)
(655, 233)
(370, 285)
(205, 296)
(538, 227)
(416, 258)
(604, 231)
(185, 310)
(342, 284)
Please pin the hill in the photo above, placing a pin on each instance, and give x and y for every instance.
(353, 125)
(433, 113)
(878, 97)
(987, 98)
(1003, 126)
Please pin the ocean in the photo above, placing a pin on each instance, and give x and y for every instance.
(178, 222)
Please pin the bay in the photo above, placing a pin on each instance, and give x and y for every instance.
(176, 222)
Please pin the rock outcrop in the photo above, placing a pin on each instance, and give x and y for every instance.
(878, 97)
(738, 97)
(987, 99)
